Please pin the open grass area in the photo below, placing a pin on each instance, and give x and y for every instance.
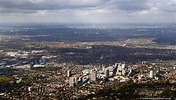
(5, 79)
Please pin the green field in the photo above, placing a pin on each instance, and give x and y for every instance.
(5, 79)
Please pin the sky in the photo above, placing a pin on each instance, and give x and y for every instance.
(88, 11)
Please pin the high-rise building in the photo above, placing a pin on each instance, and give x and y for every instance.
(119, 68)
(93, 76)
(103, 68)
(123, 72)
(68, 73)
(29, 89)
(72, 81)
(116, 65)
(107, 73)
(151, 74)
(123, 66)
(130, 70)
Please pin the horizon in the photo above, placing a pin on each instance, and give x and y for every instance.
(84, 24)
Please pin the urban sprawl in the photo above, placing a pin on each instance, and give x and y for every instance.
(43, 77)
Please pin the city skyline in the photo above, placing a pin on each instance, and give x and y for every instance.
(88, 11)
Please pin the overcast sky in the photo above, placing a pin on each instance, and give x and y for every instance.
(88, 11)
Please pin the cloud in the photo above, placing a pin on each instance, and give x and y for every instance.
(88, 10)
(123, 5)
(130, 5)
(166, 5)
(48, 4)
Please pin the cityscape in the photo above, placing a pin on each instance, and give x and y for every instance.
(87, 49)
(137, 65)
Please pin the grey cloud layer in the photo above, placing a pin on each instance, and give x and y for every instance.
(23, 6)
(88, 10)
(48, 4)
(130, 5)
